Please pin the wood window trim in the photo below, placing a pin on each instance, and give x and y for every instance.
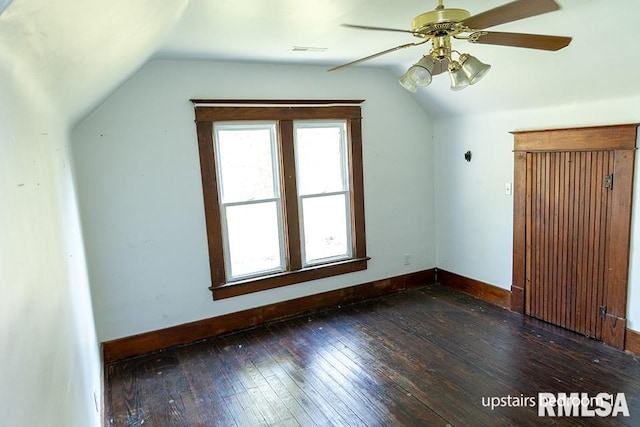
(284, 112)
(619, 138)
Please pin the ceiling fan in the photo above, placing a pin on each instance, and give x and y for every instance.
(442, 24)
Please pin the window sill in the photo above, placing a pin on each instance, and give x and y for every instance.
(228, 290)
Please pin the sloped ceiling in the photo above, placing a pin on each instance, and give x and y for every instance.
(80, 51)
(74, 53)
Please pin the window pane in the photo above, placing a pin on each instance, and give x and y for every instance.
(254, 238)
(246, 163)
(320, 159)
(325, 227)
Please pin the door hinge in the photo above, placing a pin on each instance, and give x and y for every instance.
(603, 311)
(608, 181)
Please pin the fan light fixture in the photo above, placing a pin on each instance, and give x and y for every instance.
(442, 25)
(407, 83)
(467, 70)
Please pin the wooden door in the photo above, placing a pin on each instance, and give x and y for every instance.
(568, 214)
(572, 215)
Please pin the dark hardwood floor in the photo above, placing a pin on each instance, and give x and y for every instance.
(425, 357)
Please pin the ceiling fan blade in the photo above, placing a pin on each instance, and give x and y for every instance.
(440, 67)
(510, 12)
(368, 27)
(375, 55)
(531, 41)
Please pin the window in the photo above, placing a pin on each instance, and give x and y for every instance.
(283, 192)
(250, 203)
(323, 190)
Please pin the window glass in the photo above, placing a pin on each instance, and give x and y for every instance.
(320, 157)
(325, 228)
(246, 162)
(253, 239)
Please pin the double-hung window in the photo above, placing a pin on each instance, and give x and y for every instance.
(250, 202)
(323, 191)
(283, 192)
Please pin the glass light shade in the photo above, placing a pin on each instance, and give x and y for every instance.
(474, 69)
(407, 83)
(420, 73)
(459, 79)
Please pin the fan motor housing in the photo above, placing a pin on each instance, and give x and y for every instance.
(438, 16)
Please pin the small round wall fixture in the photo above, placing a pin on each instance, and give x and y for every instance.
(467, 156)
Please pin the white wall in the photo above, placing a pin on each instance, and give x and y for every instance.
(140, 192)
(474, 216)
(49, 363)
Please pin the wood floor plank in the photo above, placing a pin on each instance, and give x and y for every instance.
(273, 410)
(302, 407)
(401, 399)
(442, 363)
(204, 386)
(425, 357)
(384, 403)
(239, 400)
(316, 391)
(451, 378)
(320, 377)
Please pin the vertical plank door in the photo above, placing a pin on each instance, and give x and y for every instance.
(572, 216)
(568, 222)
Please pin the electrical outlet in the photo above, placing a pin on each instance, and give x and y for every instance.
(407, 259)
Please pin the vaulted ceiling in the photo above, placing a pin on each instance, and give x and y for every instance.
(80, 51)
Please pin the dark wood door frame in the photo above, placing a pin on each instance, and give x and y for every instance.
(618, 138)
